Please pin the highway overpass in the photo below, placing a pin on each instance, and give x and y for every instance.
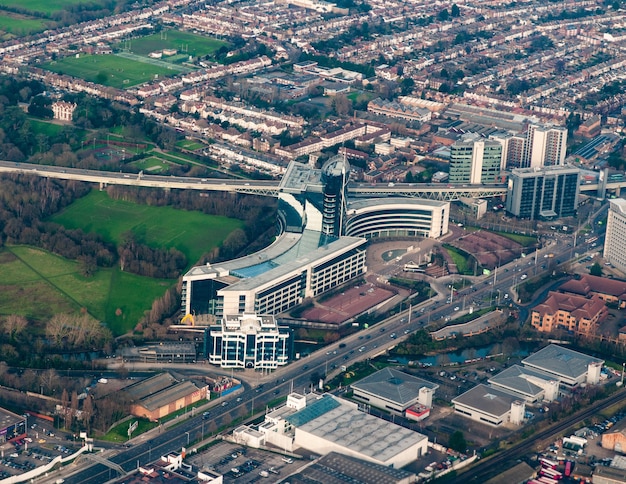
(432, 191)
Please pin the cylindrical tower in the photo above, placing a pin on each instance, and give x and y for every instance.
(335, 174)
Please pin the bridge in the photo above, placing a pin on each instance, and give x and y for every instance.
(271, 188)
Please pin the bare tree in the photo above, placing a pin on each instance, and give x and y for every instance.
(73, 406)
(49, 380)
(87, 412)
(14, 325)
(65, 403)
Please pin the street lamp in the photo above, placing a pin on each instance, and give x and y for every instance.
(623, 365)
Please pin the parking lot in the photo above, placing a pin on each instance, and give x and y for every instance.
(245, 465)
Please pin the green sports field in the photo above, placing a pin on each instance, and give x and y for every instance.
(193, 233)
(184, 42)
(19, 25)
(109, 70)
(37, 284)
(43, 6)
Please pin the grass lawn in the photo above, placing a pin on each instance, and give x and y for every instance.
(193, 233)
(151, 165)
(184, 42)
(38, 284)
(43, 6)
(19, 25)
(523, 240)
(190, 145)
(109, 70)
(460, 259)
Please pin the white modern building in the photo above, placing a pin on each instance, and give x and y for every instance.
(615, 240)
(249, 341)
(475, 160)
(490, 406)
(569, 367)
(397, 217)
(394, 391)
(324, 424)
(545, 146)
(533, 386)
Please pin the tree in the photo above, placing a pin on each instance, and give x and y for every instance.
(457, 442)
(596, 270)
(455, 11)
(73, 406)
(87, 412)
(443, 16)
(65, 405)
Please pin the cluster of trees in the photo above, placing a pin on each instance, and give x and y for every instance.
(76, 331)
(26, 202)
(149, 261)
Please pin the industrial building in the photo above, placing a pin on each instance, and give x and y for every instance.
(249, 341)
(490, 406)
(615, 240)
(324, 423)
(394, 391)
(569, 367)
(12, 426)
(533, 386)
(335, 468)
(162, 394)
(543, 193)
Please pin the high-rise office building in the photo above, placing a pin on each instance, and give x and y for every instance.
(475, 160)
(545, 146)
(248, 341)
(615, 241)
(543, 193)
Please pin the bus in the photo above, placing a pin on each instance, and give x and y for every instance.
(547, 480)
(547, 463)
(551, 473)
(568, 468)
(413, 268)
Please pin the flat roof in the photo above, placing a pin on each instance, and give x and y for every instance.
(393, 385)
(518, 378)
(356, 204)
(561, 361)
(487, 399)
(9, 418)
(336, 468)
(319, 254)
(348, 427)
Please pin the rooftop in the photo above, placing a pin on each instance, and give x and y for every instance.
(602, 285)
(393, 385)
(8, 418)
(335, 468)
(560, 361)
(348, 427)
(520, 379)
(578, 306)
(487, 399)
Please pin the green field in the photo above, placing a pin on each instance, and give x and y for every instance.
(193, 233)
(20, 25)
(186, 43)
(38, 284)
(151, 165)
(109, 70)
(42, 6)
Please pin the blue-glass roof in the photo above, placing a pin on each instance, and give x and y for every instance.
(313, 411)
(254, 270)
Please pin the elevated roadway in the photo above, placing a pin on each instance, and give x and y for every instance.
(271, 188)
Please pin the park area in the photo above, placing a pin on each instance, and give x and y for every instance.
(110, 70)
(347, 304)
(192, 233)
(185, 43)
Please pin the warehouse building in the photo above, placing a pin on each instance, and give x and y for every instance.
(533, 386)
(12, 426)
(490, 406)
(569, 367)
(394, 391)
(162, 394)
